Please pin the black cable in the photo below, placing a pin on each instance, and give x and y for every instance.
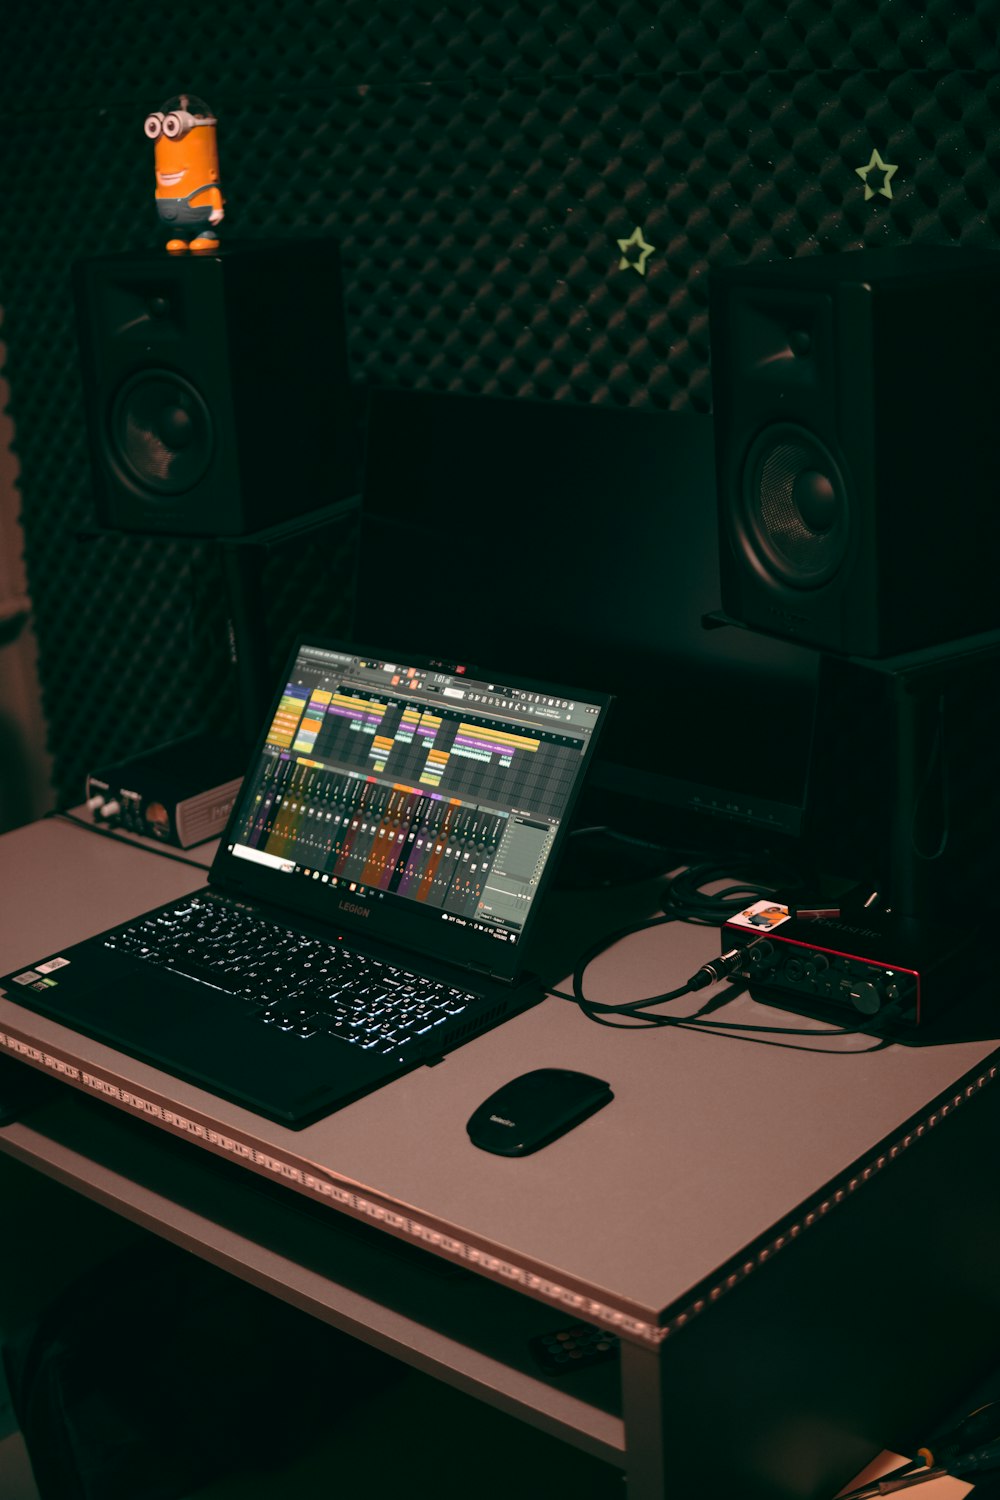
(686, 901)
(632, 1017)
(635, 1010)
(111, 833)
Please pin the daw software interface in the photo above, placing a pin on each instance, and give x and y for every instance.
(412, 785)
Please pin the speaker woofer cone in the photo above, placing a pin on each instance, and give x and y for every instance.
(794, 514)
(161, 435)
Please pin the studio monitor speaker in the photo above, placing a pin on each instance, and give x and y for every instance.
(857, 428)
(216, 386)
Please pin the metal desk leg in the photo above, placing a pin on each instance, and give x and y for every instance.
(642, 1407)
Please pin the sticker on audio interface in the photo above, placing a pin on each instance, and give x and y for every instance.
(53, 963)
(762, 916)
(28, 977)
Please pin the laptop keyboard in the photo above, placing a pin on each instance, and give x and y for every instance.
(303, 985)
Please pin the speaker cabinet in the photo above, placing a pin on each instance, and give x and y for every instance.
(903, 794)
(857, 399)
(216, 386)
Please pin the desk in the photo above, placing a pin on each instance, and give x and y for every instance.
(795, 1246)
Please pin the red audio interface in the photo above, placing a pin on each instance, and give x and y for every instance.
(838, 967)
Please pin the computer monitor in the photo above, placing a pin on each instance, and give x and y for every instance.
(580, 542)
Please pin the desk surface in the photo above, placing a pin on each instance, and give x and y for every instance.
(715, 1152)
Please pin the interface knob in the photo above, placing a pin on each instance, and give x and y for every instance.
(866, 998)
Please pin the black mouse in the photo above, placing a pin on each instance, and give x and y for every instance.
(535, 1108)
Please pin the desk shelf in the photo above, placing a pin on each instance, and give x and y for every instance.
(442, 1320)
(864, 1328)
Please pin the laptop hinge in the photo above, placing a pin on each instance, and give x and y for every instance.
(484, 971)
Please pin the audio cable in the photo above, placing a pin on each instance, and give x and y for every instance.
(686, 900)
(636, 1015)
(724, 967)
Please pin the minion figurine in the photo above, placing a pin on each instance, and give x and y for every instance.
(188, 199)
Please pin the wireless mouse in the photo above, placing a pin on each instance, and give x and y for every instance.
(534, 1109)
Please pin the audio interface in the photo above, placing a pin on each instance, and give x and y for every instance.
(871, 968)
(180, 793)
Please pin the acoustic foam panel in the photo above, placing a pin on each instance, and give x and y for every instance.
(479, 164)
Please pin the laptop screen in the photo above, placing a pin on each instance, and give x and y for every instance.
(411, 800)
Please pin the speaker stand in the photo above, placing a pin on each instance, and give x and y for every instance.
(246, 603)
(243, 568)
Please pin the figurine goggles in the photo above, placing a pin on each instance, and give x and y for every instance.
(175, 125)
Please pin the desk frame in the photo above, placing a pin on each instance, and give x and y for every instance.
(778, 1375)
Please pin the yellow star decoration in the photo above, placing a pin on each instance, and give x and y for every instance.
(876, 164)
(635, 240)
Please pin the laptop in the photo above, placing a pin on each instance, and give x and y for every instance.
(374, 898)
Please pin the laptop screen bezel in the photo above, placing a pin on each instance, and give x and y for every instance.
(364, 917)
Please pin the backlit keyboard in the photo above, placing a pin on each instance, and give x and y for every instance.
(302, 985)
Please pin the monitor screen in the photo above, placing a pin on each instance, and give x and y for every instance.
(580, 542)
